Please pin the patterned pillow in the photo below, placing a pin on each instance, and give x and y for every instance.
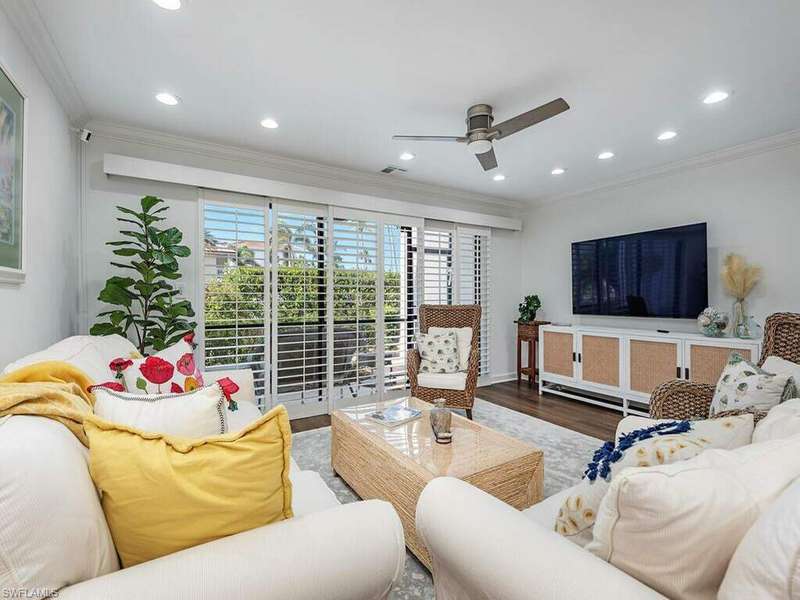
(743, 384)
(659, 444)
(439, 352)
(173, 370)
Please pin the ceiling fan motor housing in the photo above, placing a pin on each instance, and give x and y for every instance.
(479, 121)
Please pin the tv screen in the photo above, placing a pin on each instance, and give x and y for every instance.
(662, 273)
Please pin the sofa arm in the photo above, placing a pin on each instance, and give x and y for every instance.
(351, 552)
(483, 549)
(241, 377)
(680, 399)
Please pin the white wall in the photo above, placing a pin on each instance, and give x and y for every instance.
(103, 193)
(44, 309)
(751, 205)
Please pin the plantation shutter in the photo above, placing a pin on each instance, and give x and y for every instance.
(234, 271)
(299, 315)
(400, 300)
(355, 307)
(473, 281)
(437, 278)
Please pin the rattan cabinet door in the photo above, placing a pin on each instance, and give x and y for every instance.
(558, 348)
(706, 361)
(599, 358)
(652, 362)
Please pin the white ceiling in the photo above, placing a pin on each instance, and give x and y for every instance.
(342, 77)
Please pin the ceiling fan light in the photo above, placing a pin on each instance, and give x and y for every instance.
(557, 171)
(480, 146)
(499, 177)
(605, 155)
(406, 156)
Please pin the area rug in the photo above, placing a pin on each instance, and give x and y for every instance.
(566, 453)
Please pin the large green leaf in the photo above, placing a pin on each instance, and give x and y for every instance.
(115, 294)
(127, 251)
(128, 211)
(105, 329)
(181, 251)
(149, 202)
(171, 237)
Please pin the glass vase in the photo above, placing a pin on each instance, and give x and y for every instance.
(441, 419)
(740, 323)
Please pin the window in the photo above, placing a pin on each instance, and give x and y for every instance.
(322, 302)
(299, 312)
(234, 271)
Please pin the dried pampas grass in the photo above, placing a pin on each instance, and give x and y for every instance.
(738, 277)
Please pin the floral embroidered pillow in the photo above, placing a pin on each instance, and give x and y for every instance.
(173, 370)
(438, 352)
(662, 443)
(744, 385)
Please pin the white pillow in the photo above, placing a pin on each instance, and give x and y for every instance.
(91, 354)
(194, 414)
(744, 385)
(464, 337)
(675, 527)
(781, 366)
(781, 422)
(52, 529)
(766, 564)
(578, 512)
(245, 414)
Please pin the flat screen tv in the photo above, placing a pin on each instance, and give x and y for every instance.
(661, 273)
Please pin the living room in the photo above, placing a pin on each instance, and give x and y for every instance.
(242, 205)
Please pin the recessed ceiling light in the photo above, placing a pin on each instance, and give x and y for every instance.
(169, 4)
(666, 135)
(406, 156)
(269, 123)
(605, 155)
(716, 96)
(499, 177)
(557, 171)
(167, 98)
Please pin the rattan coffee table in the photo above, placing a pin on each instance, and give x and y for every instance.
(395, 464)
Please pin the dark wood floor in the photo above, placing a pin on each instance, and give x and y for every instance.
(586, 418)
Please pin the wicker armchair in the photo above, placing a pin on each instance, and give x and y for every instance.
(466, 315)
(679, 399)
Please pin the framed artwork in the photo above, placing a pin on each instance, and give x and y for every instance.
(12, 159)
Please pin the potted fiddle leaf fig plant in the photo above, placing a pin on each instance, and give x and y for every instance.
(144, 298)
(528, 308)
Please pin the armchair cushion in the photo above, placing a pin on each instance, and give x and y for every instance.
(744, 385)
(439, 352)
(443, 381)
(464, 341)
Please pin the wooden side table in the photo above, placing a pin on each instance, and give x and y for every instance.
(528, 332)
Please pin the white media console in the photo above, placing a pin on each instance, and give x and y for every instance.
(619, 368)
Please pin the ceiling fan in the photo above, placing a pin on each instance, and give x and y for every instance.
(481, 133)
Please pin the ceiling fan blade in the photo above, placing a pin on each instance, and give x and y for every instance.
(430, 138)
(532, 117)
(488, 160)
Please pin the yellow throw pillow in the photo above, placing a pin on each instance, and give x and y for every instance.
(162, 494)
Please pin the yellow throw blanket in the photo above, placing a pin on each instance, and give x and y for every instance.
(53, 389)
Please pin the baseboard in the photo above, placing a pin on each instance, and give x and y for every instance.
(512, 376)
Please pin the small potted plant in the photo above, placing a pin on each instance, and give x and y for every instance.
(528, 309)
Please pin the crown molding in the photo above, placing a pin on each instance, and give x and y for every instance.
(28, 22)
(366, 182)
(709, 159)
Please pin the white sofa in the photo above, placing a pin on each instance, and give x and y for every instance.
(327, 551)
(482, 548)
